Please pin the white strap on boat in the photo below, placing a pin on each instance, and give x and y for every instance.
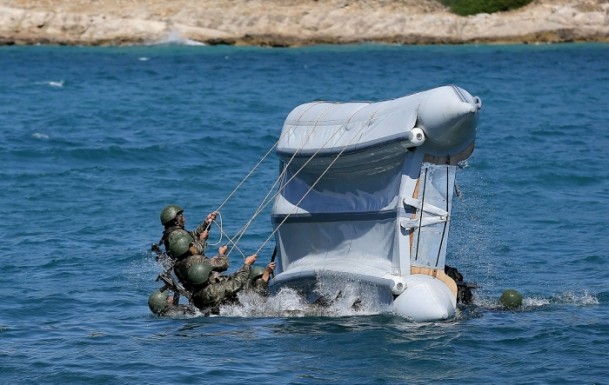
(428, 208)
(417, 222)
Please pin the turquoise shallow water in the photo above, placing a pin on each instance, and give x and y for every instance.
(95, 141)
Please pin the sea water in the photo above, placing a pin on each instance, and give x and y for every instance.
(95, 141)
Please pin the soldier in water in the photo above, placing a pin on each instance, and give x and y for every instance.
(173, 219)
(200, 274)
(186, 254)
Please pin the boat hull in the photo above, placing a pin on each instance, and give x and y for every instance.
(366, 197)
(425, 299)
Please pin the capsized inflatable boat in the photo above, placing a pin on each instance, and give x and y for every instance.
(366, 195)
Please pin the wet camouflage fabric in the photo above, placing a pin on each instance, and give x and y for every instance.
(258, 285)
(224, 291)
(199, 243)
(218, 263)
(178, 310)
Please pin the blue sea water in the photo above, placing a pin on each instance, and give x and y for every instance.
(95, 141)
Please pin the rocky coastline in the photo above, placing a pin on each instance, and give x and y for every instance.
(284, 23)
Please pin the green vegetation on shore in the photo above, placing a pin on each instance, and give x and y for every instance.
(472, 7)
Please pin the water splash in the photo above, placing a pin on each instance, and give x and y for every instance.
(52, 83)
(535, 302)
(579, 299)
(58, 84)
(346, 300)
(39, 135)
(174, 38)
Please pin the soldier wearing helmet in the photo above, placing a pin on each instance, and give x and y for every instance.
(200, 275)
(173, 219)
(259, 278)
(160, 303)
(183, 248)
(210, 295)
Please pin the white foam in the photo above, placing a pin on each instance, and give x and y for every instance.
(56, 84)
(348, 301)
(533, 302)
(52, 83)
(39, 135)
(583, 299)
(174, 38)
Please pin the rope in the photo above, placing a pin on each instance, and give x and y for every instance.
(230, 240)
(285, 168)
(246, 177)
(322, 174)
(222, 233)
(278, 178)
(219, 227)
(266, 200)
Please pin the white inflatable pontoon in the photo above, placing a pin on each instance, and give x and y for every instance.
(366, 195)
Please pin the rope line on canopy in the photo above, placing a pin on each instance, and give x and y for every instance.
(267, 200)
(360, 131)
(243, 180)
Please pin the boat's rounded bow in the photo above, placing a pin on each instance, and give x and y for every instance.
(425, 299)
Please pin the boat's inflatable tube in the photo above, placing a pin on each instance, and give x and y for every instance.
(448, 116)
(442, 120)
(425, 299)
(366, 197)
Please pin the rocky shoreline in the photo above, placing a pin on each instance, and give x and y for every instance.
(282, 23)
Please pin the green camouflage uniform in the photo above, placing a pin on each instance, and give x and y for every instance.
(225, 291)
(258, 285)
(170, 232)
(178, 310)
(218, 263)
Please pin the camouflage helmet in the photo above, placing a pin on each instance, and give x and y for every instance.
(179, 244)
(157, 302)
(256, 272)
(511, 299)
(198, 273)
(170, 213)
